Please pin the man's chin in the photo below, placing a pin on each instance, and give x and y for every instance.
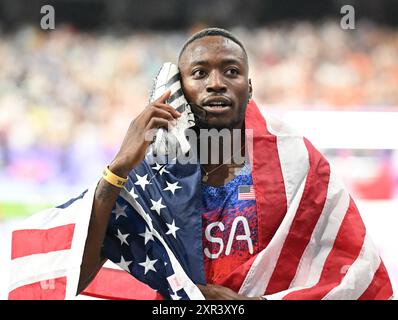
(215, 125)
(220, 124)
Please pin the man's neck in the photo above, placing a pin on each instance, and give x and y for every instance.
(223, 159)
(224, 151)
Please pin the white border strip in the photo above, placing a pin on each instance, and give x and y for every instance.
(38, 267)
(294, 159)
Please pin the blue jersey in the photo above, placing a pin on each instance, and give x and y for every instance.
(229, 226)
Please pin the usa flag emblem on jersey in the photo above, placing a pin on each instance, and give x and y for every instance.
(246, 193)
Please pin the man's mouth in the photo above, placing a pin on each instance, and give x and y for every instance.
(217, 105)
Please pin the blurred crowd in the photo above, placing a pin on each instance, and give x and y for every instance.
(67, 98)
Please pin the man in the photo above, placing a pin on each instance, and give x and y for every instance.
(214, 71)
(213, 67)
(278, 226)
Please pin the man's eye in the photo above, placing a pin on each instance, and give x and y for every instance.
(198, 73)
(233, 71)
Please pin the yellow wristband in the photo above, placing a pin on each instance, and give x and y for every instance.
(113, 179)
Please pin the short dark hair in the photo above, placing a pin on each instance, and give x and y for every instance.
(208, 32)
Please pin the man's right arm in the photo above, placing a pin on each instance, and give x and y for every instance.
(131, 153)
(104, 199)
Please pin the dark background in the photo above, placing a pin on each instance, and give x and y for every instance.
(180, 14)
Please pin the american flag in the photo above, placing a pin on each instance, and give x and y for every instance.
(47, 250)
(171, 205)
(313, 242)
(246, 193)
(154, 234)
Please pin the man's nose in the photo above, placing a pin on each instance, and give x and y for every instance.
(215, 83)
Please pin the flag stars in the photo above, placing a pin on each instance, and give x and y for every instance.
(172, 228)
(142, 181)
(157, 166)
(148, 264)
(163, 170)
(124, 264)
(157, 205)
(147, 235)
(160, 168)
(172, 187)
(122, 237)
(120, 211)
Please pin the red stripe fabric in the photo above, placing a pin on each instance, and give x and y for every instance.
(267, 176)
(307, 215)
(33, 241)
(346, 248)
(53, 289)
(235, 279)
(380, 288)
(119, 285)
(269, 188)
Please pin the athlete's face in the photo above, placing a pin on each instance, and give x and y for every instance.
(214, 75)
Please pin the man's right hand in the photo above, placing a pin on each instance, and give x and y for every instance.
(140, 133)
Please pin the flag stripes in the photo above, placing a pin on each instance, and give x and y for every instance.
(263, 265)
(267, 176)
(319, 247)
(49, 289)
(117, 284)
(346, 249)
(364, 267)
(321, 250)
(38, 267)
(41, 241)
(380, 288)
(306, 217)
(313, 259)
(47, 250)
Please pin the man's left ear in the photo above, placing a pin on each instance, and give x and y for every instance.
(250, 89)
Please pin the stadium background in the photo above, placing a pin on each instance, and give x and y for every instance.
(68, 95)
